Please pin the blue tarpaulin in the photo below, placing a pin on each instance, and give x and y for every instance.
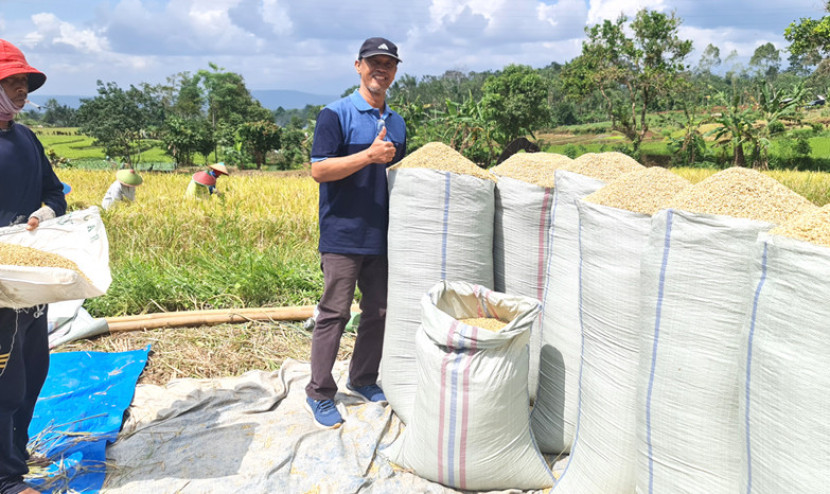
(80, 411)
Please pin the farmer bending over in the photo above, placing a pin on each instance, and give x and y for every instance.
(123, 189)
(30, 192)
(355, 140)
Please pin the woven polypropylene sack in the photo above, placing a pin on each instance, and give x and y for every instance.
(520, 251)
(696, 293)
(603, 457)
(440, 227)
(78, 236)
(785, 386)
(470, 426)
(554, 412)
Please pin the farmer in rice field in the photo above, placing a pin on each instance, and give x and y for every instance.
(123, 189)
(355, 140)
(30, 192)
(200, 186)
(216, 170)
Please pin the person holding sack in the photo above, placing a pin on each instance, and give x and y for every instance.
(30, 192)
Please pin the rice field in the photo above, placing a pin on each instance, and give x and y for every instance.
(254, 245)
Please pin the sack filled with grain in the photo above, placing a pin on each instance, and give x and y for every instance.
(65, 258)
(784, 387)
(524, 199)
(441, 208)
(696, 294)
(557, 396)
(614, 226)
(469, 428)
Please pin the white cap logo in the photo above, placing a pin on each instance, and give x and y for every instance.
(383, 46)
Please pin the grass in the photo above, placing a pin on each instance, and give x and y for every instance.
(253, 246)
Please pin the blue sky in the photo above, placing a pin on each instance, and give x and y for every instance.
(310, 45)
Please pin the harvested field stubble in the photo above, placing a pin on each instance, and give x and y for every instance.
(603, 166)
(813, 227)
(535, 168)
(643, 191)
(211, 351)
(742, 193)
(439, 156)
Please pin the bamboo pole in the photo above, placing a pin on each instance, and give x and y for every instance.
(209, 317)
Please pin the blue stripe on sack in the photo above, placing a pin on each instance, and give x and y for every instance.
(749, 365)
(660, 290)
(550, 255)
(445, 233)
(459, 355)
(581, 359)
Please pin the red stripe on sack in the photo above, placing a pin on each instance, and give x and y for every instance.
(465, 412)
(442, 402)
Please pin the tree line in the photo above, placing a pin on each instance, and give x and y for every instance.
(631, 73)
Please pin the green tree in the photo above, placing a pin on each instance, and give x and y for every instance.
(766, 60)
(184, 137)
(709, 60)
(119, 119)
(516, 102)
(257, 138)
(630, 72)
(58, 115)
(809, 38)
(229, 104)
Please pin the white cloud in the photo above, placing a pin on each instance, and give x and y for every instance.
(50, 30)
(611, 9)
(275, 14)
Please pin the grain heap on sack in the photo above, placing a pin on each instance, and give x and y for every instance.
(643, 191)
(603, 166)
(488, 323)
(742, 193)
(813, 227)
(439, 156)
(534, 168)
(19, 255)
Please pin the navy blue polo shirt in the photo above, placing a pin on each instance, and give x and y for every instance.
(354, 211)
(28, 180)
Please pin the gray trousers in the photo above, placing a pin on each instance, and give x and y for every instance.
(341, 273)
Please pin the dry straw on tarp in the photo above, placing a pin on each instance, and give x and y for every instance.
(813, 227)
(742, 193)
(439, 156)
(603, 166)
(643, 191)
(488, 323)
(534, 168)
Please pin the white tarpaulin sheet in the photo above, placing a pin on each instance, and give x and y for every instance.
(252, 434)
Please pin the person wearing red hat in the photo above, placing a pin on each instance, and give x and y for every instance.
(356, 138)
(199, 186)
(30, 192)
(123, 189)
(216, 170)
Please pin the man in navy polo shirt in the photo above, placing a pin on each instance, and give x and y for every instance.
(355, 140)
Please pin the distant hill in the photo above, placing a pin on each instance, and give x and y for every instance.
(72, 101)
(289, 99)
(270, 98)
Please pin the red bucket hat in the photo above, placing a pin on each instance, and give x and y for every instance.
(12, 62)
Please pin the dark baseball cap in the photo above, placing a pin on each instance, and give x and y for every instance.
(378, 46)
